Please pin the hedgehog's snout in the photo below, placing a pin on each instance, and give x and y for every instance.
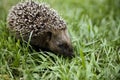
(66, 50)
(70, 52)
(60, 43)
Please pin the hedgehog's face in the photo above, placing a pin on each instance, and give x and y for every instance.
(60, 43)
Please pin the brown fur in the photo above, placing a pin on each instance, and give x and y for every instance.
(60, 43)
(56, 41)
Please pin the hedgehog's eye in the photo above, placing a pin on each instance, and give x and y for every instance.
(49, 35)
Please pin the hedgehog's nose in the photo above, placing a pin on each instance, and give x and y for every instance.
(69, 54)
(72, 54)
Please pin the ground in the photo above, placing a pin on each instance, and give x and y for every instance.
(94, 27)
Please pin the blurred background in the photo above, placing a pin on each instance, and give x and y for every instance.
(95, 9)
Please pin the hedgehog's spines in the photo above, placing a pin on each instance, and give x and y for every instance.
(27, 16)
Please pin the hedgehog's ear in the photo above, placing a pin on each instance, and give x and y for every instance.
(49, 36)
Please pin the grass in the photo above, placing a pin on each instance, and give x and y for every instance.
(94, 26)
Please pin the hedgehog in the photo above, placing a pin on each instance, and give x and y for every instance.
(42, 24)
